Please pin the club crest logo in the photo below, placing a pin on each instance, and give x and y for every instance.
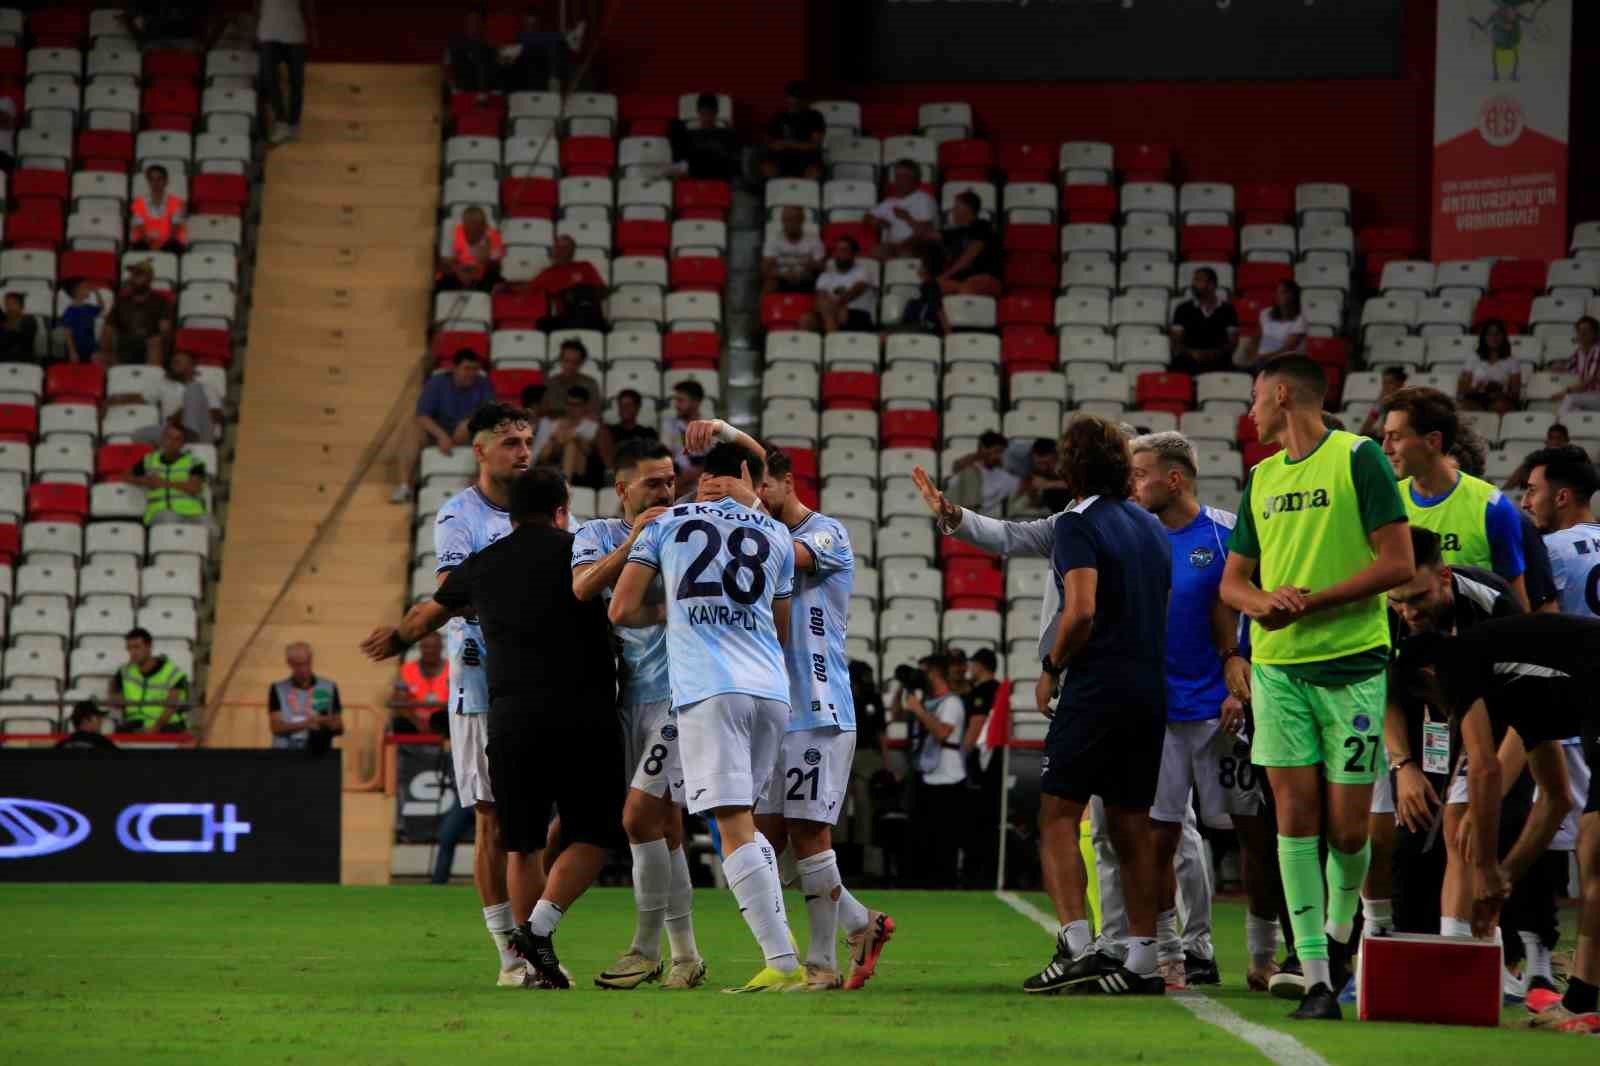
(812, 756)
(1201, 557)
(1361, 723)
(669, 732)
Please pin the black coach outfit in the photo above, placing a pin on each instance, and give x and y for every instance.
(554, 737)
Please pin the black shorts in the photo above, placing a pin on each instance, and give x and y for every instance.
(858, 321)
(536, 765)
(792, 164)
(1110, 752)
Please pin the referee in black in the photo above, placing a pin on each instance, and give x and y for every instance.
(554, 737)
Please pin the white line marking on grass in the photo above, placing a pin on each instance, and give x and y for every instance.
(1280, 1048)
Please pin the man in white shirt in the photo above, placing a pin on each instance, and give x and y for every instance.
(980, 481)
(846, 299)
(1584, 393)
(570, 440)
(905, 218)
(281, 35)
(791, 259)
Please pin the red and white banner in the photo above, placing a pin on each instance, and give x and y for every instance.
(1502, 86)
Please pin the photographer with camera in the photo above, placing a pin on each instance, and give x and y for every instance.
(939, 795)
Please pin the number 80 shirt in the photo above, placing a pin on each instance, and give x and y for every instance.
(722, 565)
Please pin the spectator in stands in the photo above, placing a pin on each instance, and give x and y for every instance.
(81, 319)
(571, 440)
(443, 409)
(846, 300)
(281, 37)
(959, 684)
(149, 688)
(794, 138)
(140, 321)
(8, 134)
(88, 729)
(158, 216)
(1556, 436)
(687, 396)
(1584, 393)
(471, 64)
(184, 400)
(173, 481)
(1492, 379)
(703, 148)
(1205, 327)
(422, 687)
(19, 332)
(475, 254)
(303, 710)
(1393, 380)
(792, 258)
(627, 426)
(980, 480)
(570, 358)
(575, 289)
(1042, 491)
(971, 250)
(1283, 329)
(539, 60)
(532, 397)
(925, 313)
(905, 219)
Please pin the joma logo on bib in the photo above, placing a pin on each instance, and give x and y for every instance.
(1289, 502)
(1450, 542)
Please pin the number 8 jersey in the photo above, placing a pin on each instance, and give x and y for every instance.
(722, 565)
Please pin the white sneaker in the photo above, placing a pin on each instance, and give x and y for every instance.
(281, 133)
(401, 494)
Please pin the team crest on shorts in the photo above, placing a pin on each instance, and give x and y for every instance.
(1201, 557)
(1361, 723)
(669, 732)
(812, 756)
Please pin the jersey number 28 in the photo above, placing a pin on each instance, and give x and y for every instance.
(690, 587)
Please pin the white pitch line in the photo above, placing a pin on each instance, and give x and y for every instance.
(1280, 1048)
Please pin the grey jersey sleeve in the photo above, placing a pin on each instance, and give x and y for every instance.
(1035, 538)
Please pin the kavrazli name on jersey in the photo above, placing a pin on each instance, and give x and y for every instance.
(1287, 502)
(719, 614)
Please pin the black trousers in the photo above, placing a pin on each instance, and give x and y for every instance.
(938, 820)
(293, 57)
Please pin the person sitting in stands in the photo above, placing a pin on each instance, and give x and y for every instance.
(158, 216)
(475, 254)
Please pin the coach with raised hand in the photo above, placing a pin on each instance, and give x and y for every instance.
(554, 736)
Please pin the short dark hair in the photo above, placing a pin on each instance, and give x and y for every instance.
(1302, 370)
(1594, 323)
(691, 388)
(630, 453)
(916, 168)
(971, 199)
(1095, 459)
(992, 438)
(1397, 371)
(537, 494)
(707, 102)
(576, 345)
(17, 296)
(845, 238)
(1569, 468)
(465, 355)
(491, 416)
(532, 396)
(630, 394)
(1429, 411)
(725, 458)
(1043, 446)
(579, 393)
(937, 663)
(985, 658)
(779, 465)
(157, 168)
(796, 89)
(84, 710)
(1426, 547)
(139, 633)
(1558, 427)
(1483, 337)
(1208, 272)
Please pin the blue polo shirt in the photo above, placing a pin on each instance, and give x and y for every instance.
(448, 405)
(1195, 685)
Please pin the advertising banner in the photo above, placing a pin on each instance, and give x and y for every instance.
(206, 815)
(1501, 94)
(425, 791)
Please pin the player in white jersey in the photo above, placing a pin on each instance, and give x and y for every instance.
(813, 771)
(662, 890)
(728, 572)
(1561, 487)
(471, 520)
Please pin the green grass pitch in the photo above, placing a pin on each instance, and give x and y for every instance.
(211, 974)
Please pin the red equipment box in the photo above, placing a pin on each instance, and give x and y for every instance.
(1442, 980)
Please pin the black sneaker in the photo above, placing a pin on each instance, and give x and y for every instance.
(1121, 982)
(1198, 970)
(1063, 971)
(1320, 1005)
(540, 954)
(1290, 980)
(1339, 955)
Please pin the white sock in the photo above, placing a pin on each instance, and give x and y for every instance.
(1141, 958)
(1168, 946)
(1076, 935)
(1339, 931)
(1379, 915)
(853, 917)
(680, 909)
(1260, 938)
(819, 880)
(1317, 973)
(652, 881)
(498, 918)
(1454, 927)
(546, 916)
(753, 877)
(1538, 962)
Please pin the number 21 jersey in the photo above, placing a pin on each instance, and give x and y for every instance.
(722, 565)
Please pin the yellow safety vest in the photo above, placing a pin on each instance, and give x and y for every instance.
(166, 496)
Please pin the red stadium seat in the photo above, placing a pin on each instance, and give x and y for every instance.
(1513, 308)
(588, 157)
(950, 549)
(508, 384)
(176, 64)
(13, 65)
(463, 103)
(528, 197)
(1026, 237)
(849, 390)
(973, 584)
(110, 149)
(446, 343)
(75, 383)
(698, 273)
(1156, 391)
(643, 236)
(703, 199)
(1519, 276)
(1245, 432)
(65, 28)
(219, 194)
(909, 429)
(100, 267)
(1335, 375)
(36, 224)
(691, 350)
(647, 115)
(888, 120)
(170, 106)
(1024, 348)
(49, 184)
(802, 463)
(1399, 241)
(1028, 161)
(210, 347)
(1256, 451)
(10, 543)
(1330, 352)
(114, 460)
(1032, 270)
(500, 28)
(1249, 309)
(1264, 205)
(784, 310)
(1256, 277)
(517, 308)
(57, 501)
(966, 160)
(1090, 203)
(19, 422)
(865, 236)
(1026, 309)
(1208, 242)
(1144, 162)
(479, 124)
